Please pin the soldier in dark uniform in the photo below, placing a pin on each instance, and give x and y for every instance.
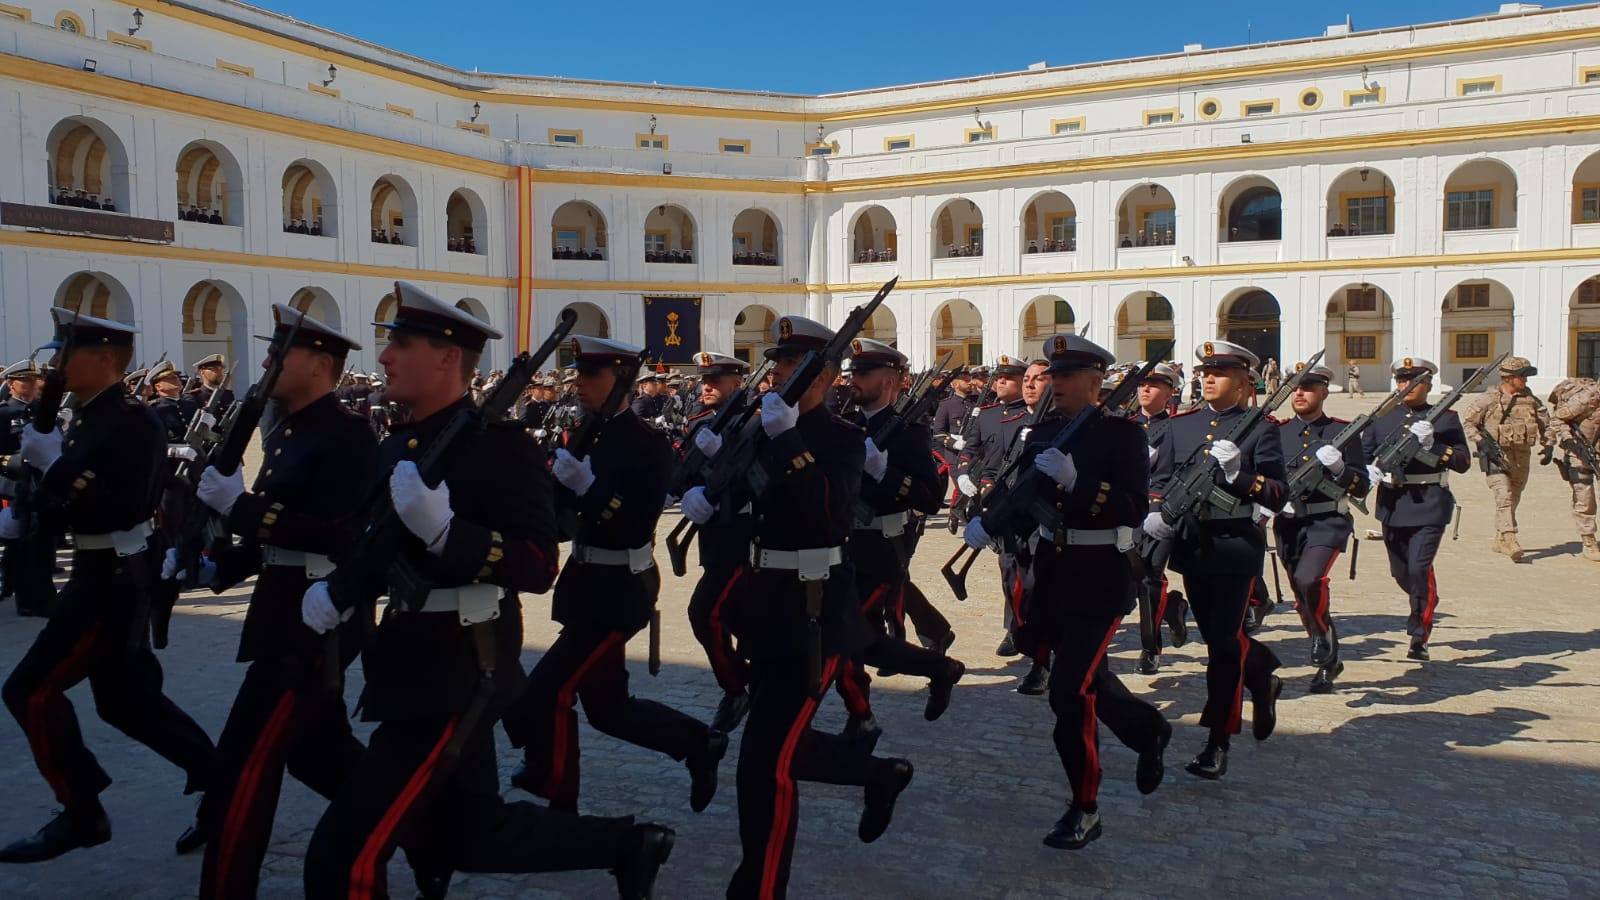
(803, 517)
(305, 506)
(101, 475)
(989, 433)
(948, 421)
(1157, 601)
(25, 565)
(211, 371)
(1311, 531)
(1083, 580)
(442, 664)
(651, 401)
(1221, 553)
(900, 478)
(1414, 506)
(606, 595)
(724, 549)
(171, 407)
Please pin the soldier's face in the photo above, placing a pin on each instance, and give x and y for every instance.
(1517, 383)
(166, 387)
(1307, 399)
(1072, 391)
(594, 384)
(1154, 395)
(414, 368)
(1222, 385)
(1033, 382)
(870, 387)
(715, 389)
(24, 389)
(210, 375)
(1007, 387)
(1418, 395)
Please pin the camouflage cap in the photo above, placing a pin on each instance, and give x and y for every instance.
(1518, 365)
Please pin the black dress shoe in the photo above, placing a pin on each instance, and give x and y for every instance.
(1074, 830)
(1153, 763)
(1008, 646)
(1211, 764)
(864, 731)
(731, 711)
(891, 778)
(703, 769)
(940, 688)
(432, 885)
(1149, 663)
(646, 851)
(1265, 719)
(522, 777)
(192, 839)
(66, 832)
(943, 646)
(1321, 651)
(1036, 682)
(1178, 618)
(1418, 651)
(1322, 682)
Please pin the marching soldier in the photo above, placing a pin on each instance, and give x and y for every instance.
(1576, 404)
(25, 566)
(101, 475)
(1084, 582)
(651, 401)
(1222, 553)
(171, 407)
(442, 664)
(800, 585)
(606, 595)
(724, 550)
(211, 370)
(1414, 506)
(989, 432)
(1513, 420)
(1036, 646)
(950, 418)
(1157, 601)
(321, 466)
(1313, 530)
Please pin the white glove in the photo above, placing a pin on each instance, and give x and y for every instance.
(577, 474)
(540, 433)
(661, 421)
(877, 461)
(967, 486)
(181, 451)
(1058, 466)
(958, 443)
(1157, 527)
(1226, 453)
(220, 491)
(41, 450)
(10, 525)
(696, 507)
(317, 609)
(424, 510)
(976, 536)
(170, 570)
(1287, 512)
(776, 415)
(708, 442)
(1424, 432)
(1379, 476)
(1153, 452)
(1331, 459)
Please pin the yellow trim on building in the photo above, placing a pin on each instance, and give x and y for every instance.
(128, 40)
(1589, 75)
(1216, 108)
(324, 90)
(474, 127)
(831, 146)
(980, 135)
(1381, 93)
(1455, 335)
(1264, 107)
(16, 12)
(1300, 98)
(910, 141)
(724, 143)
(1077, 123)
(402, 111)
(646, 141)
(1494, 82)
(235, 68)
(575, 135)
(1169, 111)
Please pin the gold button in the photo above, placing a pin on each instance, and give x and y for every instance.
(288, 432)
(1305, 458)
(267, 474)
(277, 452)
(70, 443)
(1213, 423)
(1208, 437)
(412, 444)
(1305, 445)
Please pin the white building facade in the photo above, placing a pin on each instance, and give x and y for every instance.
(1427, 191)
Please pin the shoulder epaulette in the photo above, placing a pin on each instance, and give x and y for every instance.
(1274, 419)
(1338, 421)
(990, 405)
(1185, 412)
(702, 414)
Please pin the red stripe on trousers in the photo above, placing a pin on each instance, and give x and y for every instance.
(365, 881)
(564, 706)
(714, 620)
(1091, 742)
(39, 703)
(1161, 604)
(850, 690)
(1236, 709)
(244, 793)
(783, 808)
(1320, 615)
(872, 598)
(1427, 610)
(1016, 602)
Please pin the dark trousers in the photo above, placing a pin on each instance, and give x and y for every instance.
(126, 683)
(25, 571)
(1310, 569)
(708, 615)
(1152, 611)
(931, 625)
(886, 650)
(1083, 691)
(1411, 552)
(778, 750)
(588, 664)
(283, 717)
(407, 789)
(1237, 661)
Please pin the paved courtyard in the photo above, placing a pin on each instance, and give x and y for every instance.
(1473, 775)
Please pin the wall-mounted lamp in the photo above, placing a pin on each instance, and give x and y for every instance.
(819, 132)
(652, 123)
(476, 109)
(138, 22)
(1244, 139)
(333, 72)
(666, 168)
(1188, 260)
(1364, 174)
(1153, 189)
(89, 65)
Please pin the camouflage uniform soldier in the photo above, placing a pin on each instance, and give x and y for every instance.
(1575, 403)
(1515, 419)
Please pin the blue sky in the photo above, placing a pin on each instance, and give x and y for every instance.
(816, 48)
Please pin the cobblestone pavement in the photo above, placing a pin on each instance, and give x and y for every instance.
(1473, 775)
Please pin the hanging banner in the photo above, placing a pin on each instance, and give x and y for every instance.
(672, 329)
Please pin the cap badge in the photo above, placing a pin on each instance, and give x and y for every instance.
(1406, 363)
(1059, 345)
(1208, 349)
(1299, 367)
(855, 346)
(577, 347)
(705, 359)
(785, 329)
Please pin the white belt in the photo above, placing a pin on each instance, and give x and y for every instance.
(315, 564)
(473, 603)
(891, 525)
(639, 559)
(812, 564)
(1300, 508)
(1439, 478)
(127, 543)
(1120, 537)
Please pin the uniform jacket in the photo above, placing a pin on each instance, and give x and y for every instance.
(649, 408)
(632, 465)
(320, 469)
(910, 483)
(1155, 427)
(1300, 440)
(989, 436)
(1222, 545)
(724, 542)
(1412, 505)
(175, 414)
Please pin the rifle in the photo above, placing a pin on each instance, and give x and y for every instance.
(144, 380)
(1012, 488)
(1583, 450)
(589, 429)
(46, 417)
(1309, 477)
(915, 402)
(1402, 447)
(694, 461)
(1491, 456)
